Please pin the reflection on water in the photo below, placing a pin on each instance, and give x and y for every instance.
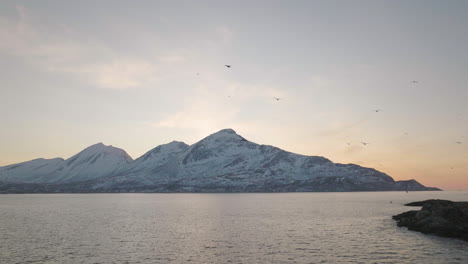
(219, 228)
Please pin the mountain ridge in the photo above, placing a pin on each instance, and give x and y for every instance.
(221, 162)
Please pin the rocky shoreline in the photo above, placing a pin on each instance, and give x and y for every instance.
(439, 217)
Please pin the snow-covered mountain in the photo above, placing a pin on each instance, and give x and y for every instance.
(221, 162)
(226, 162)
(38, 170)
(157, 157)
(93, 162)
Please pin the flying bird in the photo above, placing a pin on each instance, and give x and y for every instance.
(349, 143)
(377, 110)
(227, 66)
(414, 82)
(458, 142)
(277, 98)
(365, 143)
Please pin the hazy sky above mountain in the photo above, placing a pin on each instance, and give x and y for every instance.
(136, 74)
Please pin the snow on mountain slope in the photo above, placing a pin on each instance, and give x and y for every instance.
(38, 170)
(223, 161)
(93, 162)
(145, 169)
(231, 160)
(157, 157)
(227, 160)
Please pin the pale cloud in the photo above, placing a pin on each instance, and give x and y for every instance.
(118, 74)
(16, 35)
(219, 37)
(343, 128)
(173, 58)
(319, 81)
(123, 74)
(211, 108)
(225, 34)
(59, 49)
(206, 110)
(245, 92)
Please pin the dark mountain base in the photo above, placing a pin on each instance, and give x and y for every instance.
(439, 217)
(319, 184)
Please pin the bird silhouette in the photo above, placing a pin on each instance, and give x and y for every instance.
(458, 142)
(349, 143)
(227, 66)
(414, 82)
(377, 110)
(365, 143)
(277, 98)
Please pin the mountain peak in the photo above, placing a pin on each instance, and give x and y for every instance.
(160, 154)
(227, 130)
(99, 145)
(100, 148)
(175, 143)
(174, 146)
(227, 134)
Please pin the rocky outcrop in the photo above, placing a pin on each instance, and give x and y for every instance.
(439, 217)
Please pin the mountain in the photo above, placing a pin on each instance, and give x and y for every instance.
(93, 162)
(221, 162)
(227, 162)
(158, 156)
(38, 170)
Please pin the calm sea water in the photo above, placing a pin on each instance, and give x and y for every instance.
(219, 228)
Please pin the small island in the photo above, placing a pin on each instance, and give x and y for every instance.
(439, 217)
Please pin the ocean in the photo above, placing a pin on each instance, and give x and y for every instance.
(219, 228)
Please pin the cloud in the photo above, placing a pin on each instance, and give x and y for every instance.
(118, 74)
(206, 111)
(225, 34)
(219, 37)
(353, 149)
(343, 127)
(212, 108)
(59, 49)
(172, 58)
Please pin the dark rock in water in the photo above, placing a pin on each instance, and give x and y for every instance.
(439, 217)
(431, 201)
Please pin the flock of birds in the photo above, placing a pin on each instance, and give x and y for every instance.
(375, 110)
(406, 133)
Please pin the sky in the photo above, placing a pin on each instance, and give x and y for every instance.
(137, 74)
